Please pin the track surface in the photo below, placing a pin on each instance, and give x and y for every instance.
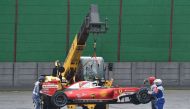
(175, 99)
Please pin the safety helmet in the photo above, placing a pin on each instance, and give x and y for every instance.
(151, 80)
(158, 82)
(57, 63)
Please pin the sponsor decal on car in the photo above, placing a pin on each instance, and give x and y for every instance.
(46, 86)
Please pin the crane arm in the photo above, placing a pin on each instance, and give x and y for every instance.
(91, 24)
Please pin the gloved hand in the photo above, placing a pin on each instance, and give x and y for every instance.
(145, 81)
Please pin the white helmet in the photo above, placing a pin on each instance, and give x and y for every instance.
(158, 81)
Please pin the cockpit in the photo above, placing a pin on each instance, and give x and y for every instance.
(84, 84)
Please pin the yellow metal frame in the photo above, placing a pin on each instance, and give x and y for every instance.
(73, 57)
(90, 106)
(71, 106)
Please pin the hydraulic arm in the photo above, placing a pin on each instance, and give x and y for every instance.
(91, 24)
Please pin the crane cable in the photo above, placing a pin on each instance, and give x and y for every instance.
(94, 54)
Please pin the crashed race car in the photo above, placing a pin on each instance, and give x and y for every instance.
(88, 92)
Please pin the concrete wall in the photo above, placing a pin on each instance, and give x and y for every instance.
(23, 75)
(174, 74)
(6, 75)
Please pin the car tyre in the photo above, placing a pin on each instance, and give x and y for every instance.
(143, 96)
(46, 103)
(133, 99)
(59, 99)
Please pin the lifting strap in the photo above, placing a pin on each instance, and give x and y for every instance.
(94, 54)
(94, 46)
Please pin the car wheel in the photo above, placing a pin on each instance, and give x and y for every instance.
(143, 96)
(133, 99)
(46, 103)
(59, 99)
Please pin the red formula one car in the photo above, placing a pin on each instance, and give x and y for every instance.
(87, 92)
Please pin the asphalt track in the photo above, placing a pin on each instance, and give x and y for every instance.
(175, 99)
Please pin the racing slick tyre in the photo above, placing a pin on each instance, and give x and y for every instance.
(59, 99)
(133, 99)
(143, 96)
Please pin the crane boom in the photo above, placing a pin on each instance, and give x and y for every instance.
(91, 24)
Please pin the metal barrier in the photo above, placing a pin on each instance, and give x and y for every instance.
(22, 75)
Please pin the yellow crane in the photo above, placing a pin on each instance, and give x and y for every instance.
(91, 24)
